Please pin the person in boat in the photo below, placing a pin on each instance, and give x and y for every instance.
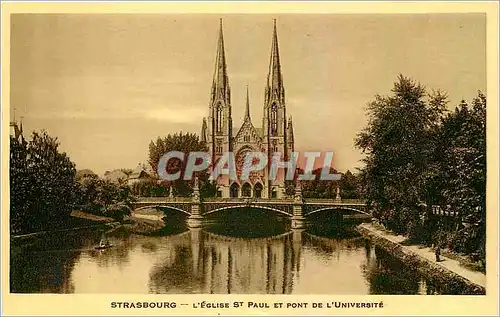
(104, 244)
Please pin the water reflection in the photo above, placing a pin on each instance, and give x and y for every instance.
(212, 260)
(45, 265)
(386, 277)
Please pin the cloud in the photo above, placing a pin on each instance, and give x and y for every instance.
(178, 114)
(169, 114)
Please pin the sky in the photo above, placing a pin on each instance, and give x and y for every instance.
(107, 84)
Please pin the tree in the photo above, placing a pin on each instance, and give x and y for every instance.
(151, 188)
(185, 143)
(318, 188)
(104, 197)
(348, 186)
(417, 156)
(20, 186)
(399, 141)
(462, 160)
(42, 184)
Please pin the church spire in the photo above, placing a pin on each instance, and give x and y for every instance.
(274, 77)
(290, 131)
(247, 108)
(220, 82)
(204, 131)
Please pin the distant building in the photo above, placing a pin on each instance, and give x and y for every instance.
(116, 176)
(16, 130)
(138, 175)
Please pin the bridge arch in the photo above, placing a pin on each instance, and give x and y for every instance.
(338, 208)
(247, 206)
(163, 206)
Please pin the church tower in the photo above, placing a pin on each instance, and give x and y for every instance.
(274, 122)
(275, 136)
(217, 131)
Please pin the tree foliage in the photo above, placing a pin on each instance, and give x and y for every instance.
(462, 154)
(185, 143)
(349, 186)
(318, 188)
(151, 188)
(398, 141)
(104, 197)
(42, 184)
(417, 156)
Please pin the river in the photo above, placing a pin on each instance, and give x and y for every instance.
(216, 259)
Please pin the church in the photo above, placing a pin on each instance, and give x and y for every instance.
(274, 135)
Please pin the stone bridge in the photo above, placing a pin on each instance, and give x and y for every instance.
(283, 206)
(296, 208)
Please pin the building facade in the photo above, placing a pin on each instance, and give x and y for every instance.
(275, 135)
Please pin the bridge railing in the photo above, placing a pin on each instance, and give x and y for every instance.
(332, 201)
(247, 199)
(163, 199)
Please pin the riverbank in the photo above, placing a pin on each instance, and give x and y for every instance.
(141, 225)
(448, 271)
(81, 221)
(92, 217)
(141, 222)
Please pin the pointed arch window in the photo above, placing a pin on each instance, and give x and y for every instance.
(246, 190)
(219, 118)
(275, 145)
(274, 119)
(257, 190)
(218, 147)
(233, 190)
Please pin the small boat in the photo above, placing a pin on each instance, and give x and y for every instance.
(102, 247)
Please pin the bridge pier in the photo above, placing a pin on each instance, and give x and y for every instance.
(195, 220)
(298, 219)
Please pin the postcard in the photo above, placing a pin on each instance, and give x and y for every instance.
(239, 158)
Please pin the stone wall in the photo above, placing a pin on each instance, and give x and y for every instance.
(452, 282)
